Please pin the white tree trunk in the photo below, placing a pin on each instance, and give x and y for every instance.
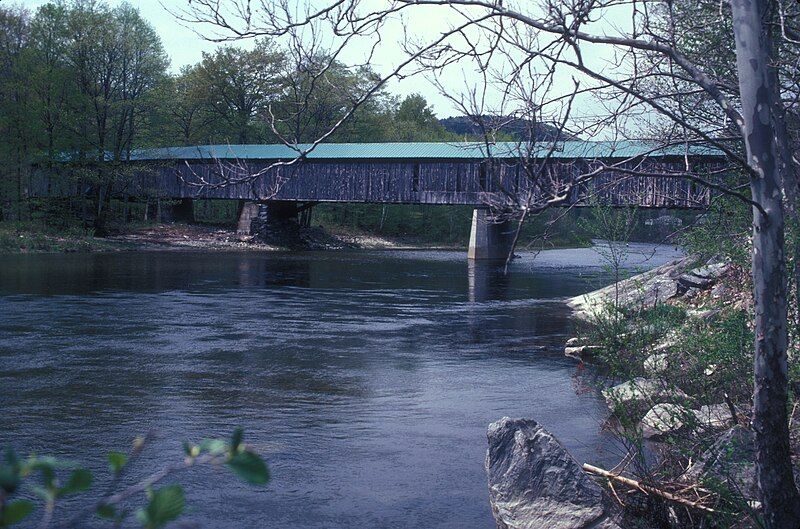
(765, 140)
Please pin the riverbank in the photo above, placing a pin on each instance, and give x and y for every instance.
(674, 349)
(31, 238)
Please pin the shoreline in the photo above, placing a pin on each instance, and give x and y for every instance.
(27, 239)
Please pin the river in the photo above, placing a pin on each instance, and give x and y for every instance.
(365, 378)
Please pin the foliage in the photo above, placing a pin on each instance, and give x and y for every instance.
(52, 479)
(444, 224)
(722, 232)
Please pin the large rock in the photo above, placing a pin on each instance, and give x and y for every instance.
(711, 271)
(582, 352)
(731, 460)
(704, 277)
(714, 416)
(663, 419)
(656, 364)
(648, 289)
(641, 393)
(535, 484)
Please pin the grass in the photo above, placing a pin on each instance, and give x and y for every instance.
(35, 237)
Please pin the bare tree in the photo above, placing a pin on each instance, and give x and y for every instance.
(645, 72)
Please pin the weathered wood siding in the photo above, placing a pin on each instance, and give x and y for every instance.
(423, 182)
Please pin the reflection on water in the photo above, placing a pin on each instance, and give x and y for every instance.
(366, 378)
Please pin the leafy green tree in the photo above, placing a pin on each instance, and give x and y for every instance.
(189, 120)
(14, 107)
(239, 85)
(318, 93)
(416, 121)
(50, 78)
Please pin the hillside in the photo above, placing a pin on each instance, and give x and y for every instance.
(518, 129)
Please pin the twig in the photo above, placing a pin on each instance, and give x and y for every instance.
(732, 408)
(648, 489)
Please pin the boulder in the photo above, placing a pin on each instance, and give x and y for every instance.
(582, 352)
(641, 393)
(711, 271)
(731, 460)
(691, 282)
(650, 288)
(714, 416)
(663, 419)
(656, 364)
(534, 483)
(703, 277)
(573, 342)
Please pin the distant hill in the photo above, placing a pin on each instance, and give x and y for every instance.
(518, 129)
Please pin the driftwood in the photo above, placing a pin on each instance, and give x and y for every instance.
(647, 489)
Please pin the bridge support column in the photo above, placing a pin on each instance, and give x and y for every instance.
(489, 239)
(247, 212)
(276, 223)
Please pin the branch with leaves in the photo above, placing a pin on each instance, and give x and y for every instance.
(52, 480)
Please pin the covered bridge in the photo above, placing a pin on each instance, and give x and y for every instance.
(466, 173)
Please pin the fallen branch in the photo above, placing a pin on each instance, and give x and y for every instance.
(647, 489)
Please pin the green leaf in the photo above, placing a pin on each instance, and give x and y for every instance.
(107, 511)
(212, 446)
(9, 471)
(166, 504)
(249, 467)
(16, 511)
(9, 479)
(117, 460)
(236, 439)
(43, 493)
(79, 480)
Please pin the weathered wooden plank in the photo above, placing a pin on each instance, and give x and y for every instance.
(424, 182)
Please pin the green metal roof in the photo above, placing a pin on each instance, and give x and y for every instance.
(416, 151)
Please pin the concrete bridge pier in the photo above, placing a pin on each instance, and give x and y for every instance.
(257, 218)
(247, 212)
(272, 221)
(489, 239)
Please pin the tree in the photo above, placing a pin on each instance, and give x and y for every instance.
(318, 92)
(142, 67)
(184, 102)
(14, 102)
(415, 121)
(49, 77)
(240, 84)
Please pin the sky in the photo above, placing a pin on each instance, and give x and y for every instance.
(184, 46)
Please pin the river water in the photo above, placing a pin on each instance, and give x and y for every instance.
(366, 379)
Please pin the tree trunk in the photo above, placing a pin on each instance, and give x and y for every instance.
(765, 140)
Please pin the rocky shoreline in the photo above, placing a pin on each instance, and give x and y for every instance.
(534, 482)
(188, 237)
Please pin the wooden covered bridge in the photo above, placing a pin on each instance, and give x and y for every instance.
(274, 185)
